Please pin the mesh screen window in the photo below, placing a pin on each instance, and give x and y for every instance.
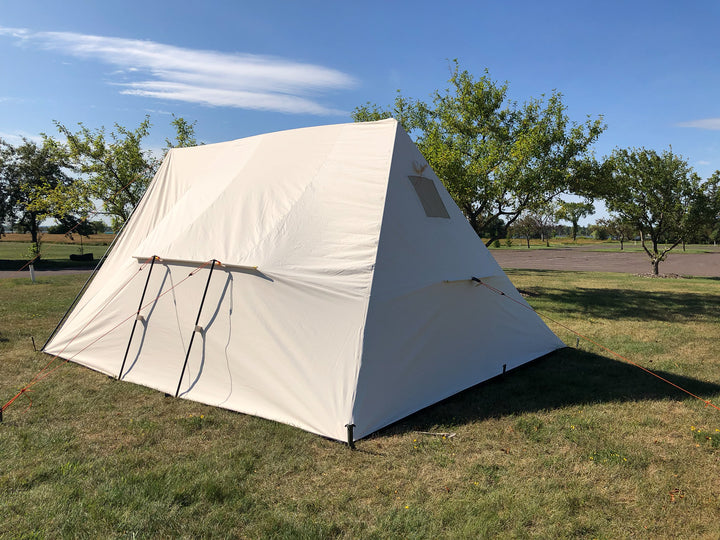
(429, 197)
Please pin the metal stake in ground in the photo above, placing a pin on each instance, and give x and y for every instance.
(350, 436)
(197, 320)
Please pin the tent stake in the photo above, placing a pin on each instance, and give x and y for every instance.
(197, 320)
(132, 332)
(350, 438)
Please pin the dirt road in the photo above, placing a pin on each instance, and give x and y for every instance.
(684, 264)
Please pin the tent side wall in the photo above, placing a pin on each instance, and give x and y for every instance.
(432, 332)
(282, 342)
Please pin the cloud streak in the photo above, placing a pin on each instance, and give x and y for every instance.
(18, 138)
(704, 123)
(157, 70)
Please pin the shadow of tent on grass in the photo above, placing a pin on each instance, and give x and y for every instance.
(564, 378)
(626, 303)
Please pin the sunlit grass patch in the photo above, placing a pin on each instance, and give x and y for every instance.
(706, 436)
(95, 457)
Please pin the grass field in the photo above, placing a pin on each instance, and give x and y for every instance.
(55, 250)
(575, 445)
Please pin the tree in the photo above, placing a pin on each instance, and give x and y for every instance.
(713, 194)
(115, 168)
(544, 217)
(184, 134)
(115, 171)
(574, 212)
(619, 229)
(27, 173)
(495, 157)
(527, 227)
(704, 219)
(660, 195)
(599, 231)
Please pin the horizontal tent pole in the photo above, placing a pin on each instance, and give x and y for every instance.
(457, 280)
(465, 280)
(196, 263)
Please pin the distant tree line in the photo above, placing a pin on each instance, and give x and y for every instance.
(510, 167)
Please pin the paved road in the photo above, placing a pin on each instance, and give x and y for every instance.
(685, 264)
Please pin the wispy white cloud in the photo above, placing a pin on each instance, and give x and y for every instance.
(703, 162)
(703, 123)
(147, 68)
(18, 137)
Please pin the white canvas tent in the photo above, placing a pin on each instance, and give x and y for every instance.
(342, 293)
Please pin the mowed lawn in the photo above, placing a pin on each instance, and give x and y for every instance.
(55, 250)
(578, 444)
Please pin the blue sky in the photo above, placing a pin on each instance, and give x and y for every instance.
(652, 69)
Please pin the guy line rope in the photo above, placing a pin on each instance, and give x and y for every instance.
(40, 374)
(44, 372)
(603, 347)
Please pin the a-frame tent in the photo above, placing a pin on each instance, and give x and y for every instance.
(341, 295)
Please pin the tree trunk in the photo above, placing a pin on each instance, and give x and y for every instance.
(574, 229)
(33, 226)
(621, 244)
(527, 239)
(655, 264)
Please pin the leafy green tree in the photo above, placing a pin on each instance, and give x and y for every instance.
(527, 227)
(713, 194)
(184, 134)
(545, 220)
(5, 207)
(114, 168)
(619, 229)
(658, 194)
(574, 212)
(706, 216)
(599, 231)
(495, 157)
(27, 173)
(71, 225)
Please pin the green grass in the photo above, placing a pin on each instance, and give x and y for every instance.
(14, 255)
(575, 445)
